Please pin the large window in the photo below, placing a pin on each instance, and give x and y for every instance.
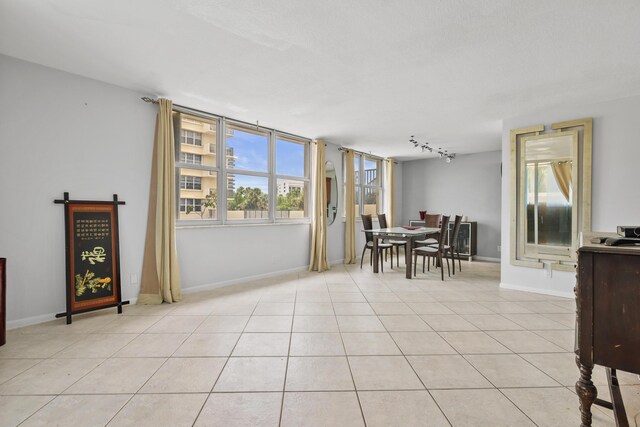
(368, 185)
(263, 176)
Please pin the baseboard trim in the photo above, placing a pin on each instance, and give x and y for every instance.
(537, 290)
(225, 283)
(34, 320)
(485, 258)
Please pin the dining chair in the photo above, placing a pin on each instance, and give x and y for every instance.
(382, 220)
(434, 251)
(367, 224)
(452, 247)
(431, 221)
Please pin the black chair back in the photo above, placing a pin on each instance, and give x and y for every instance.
(367, 224)
(456, 229)
(382, 219)
(443, 230)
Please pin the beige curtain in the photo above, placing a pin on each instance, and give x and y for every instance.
(562, 173)
(388, 191)
(160, 270)
(350, 225)
(318, 260)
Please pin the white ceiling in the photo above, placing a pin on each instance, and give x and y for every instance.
(361, 73)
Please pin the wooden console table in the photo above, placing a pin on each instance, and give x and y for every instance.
(608, 322)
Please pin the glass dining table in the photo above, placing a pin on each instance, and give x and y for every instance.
(409, 235)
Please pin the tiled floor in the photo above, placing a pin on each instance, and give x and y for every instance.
(343, 348)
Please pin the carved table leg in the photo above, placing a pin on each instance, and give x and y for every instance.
(587, 392)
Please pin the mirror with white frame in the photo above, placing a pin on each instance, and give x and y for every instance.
(331, 188)
(551, 193)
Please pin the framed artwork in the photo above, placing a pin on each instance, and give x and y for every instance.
(92, 256)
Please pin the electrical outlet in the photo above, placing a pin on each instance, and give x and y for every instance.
(133, 279)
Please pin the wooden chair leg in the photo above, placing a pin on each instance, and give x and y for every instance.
(423, 258)
(415, 261)
(448, 269)
(428, 264)
(362, 257)
(398, 256)
(441, 266)
(459, 263)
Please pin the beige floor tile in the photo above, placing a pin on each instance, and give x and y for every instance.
(381, 297)
(505, 307)
(473, 342)
(447, 322)
(252, 374)
(93, 410)
(262, 344)
(467, 307)
(486, 407)
(160, 410)
(147, 310)
(237, 309)
(15, 409)
(279, 297)
(561, 367)
(314, 308)
(552, 407)
(354, 296)
(208, 345)
(82, 324)
(510, 370)
(36, 346)
(411, 323)
(564, 339)
(415, 297)
(318, 374)
(185, 375)
(373, 287)
(535, 321)
(241, 410)
(129, 324)
(117, 375)
(315, 324)
(491, 322)
(370, 344)
(269, 324)
(545, 307)
(51, 376)
(429, 308)
(360, 324)
(415, 343)
(525, 342)
(321, 409)
(447, 372)
(353, 308)
(382, 308)
(307, 297)
(9, 368)
(188, 308)
(316, 344)
(566, 319)
(96, 346)
(383, 373)
(152, 345)
(213, 324)
(274, 309)
(400, 408)
(176, 325)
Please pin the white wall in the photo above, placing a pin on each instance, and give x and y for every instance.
(469, 185)
(62, 132)
(615, 177)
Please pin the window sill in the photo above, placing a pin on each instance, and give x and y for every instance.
(245, 224)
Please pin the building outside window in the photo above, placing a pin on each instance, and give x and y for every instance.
(368, 185)
(264, 174)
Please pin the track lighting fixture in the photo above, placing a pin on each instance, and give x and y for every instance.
(426, 147)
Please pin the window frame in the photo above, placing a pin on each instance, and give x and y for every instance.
(360, 186)
(222, 171)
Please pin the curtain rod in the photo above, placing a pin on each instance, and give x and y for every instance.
(217, 116)
(366, 154)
